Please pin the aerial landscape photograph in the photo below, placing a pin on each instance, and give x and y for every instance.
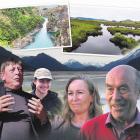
(77, 38)
(104, 29)
(35, 27)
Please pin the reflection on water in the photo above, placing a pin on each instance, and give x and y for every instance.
(101, 44)
(60, 78)
(136, 37)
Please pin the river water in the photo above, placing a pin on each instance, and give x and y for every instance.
(100, 44)
(60, 78)
(42, 39)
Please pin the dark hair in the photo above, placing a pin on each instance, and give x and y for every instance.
(33, 85)
(95, 107)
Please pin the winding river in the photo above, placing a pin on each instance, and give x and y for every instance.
(100, 44)
(42, 39)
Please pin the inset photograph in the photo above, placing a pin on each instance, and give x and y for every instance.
(35, 27)
(98, 29)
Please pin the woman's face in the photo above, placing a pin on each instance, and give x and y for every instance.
(79, 98)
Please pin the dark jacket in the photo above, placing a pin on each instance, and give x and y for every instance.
(39, 131)
(52, 104)
(63, 130)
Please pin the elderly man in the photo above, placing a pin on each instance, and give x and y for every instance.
(123, 121)
(22, 116)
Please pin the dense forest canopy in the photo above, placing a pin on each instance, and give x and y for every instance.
(17, 22)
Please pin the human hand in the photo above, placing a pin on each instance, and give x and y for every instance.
(36, 107)
(5, 102)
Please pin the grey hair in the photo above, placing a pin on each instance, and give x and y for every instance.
(95, 107)
(9, 61)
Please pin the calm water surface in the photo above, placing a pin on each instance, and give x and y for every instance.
(101, 44)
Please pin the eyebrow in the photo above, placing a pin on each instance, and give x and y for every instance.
(123, 85)
(108, 85)
(77, 90)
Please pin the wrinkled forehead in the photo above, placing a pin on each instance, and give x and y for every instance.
(121, 75)
(10, 65)
(14, 65)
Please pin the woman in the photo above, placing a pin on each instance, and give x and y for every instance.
(82, 102)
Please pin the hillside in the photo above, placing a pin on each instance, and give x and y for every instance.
(43, 60)
(58, 25)
(15, 23)
(132, 59)
(4, 54)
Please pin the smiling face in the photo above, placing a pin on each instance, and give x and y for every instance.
(12, 76)
(42, 86)
(121, 93)
(79, 98)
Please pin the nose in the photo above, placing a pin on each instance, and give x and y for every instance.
(17, 71)
(75, 97)
(116, 94)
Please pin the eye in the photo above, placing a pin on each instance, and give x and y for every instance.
(12, 70)
(80, 92)
(123, 89)
(20, 69)
(70, 93)
(109, 89)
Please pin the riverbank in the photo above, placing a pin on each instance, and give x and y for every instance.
(80, 30)
(58, 25)
(17, 23)
(20, 43)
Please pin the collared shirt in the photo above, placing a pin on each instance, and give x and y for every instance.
(127, 131)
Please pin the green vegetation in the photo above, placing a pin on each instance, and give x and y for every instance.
(125, 43)
(17, 22)
(58, 23)
(126, 23)
(129, 27)
(123, 30)
(81, 29)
